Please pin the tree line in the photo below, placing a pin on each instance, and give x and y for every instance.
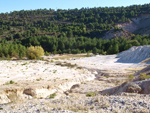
(60, 45)
(68, 31)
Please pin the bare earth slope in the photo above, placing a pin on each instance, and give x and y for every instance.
(135, 54)
(112, 34)
(139, 25)
(37, 79)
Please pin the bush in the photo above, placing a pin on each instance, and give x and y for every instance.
(91, 94)
(53, 95)
(47, 54)
(34, 52)
(11, 82)
(39, 58)
(88, 55)
(143, 76)
(94, 50)
(130, 77)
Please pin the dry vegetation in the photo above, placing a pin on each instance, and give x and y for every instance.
(70, 56)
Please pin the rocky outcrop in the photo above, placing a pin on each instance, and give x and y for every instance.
(128, 26)
(139, 25)
(112, 34)
(137, 74)
(13, 93)
(141, 87)
(4, 99)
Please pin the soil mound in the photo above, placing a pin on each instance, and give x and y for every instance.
(135, 54)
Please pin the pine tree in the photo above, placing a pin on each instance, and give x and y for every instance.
(115, 49)
(110, 50)
(127, 46)
(94, 51)
(145, 42)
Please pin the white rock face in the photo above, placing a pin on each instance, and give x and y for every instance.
(4, 99)
(138, 25)
(37, 79)
(111, 34)
(135, 54)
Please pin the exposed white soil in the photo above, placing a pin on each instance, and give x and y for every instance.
(112, 34)
(108, 63)
(139, 25)
(135, 54)
(24, 71)
(35, 81)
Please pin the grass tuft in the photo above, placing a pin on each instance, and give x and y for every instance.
(130, 77)
(53, 95)
(10, 82)
(91, 94)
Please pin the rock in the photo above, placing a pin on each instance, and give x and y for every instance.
(4, 99)
(145, 86)
(66, 92)
(29, 91)
(112, 34)
(75, 86)
(131, 88)
(137, 74)
(142, 87)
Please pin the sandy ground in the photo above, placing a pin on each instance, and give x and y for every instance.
(31, 71)
(26, 70)
(39, 73)
(107, 62)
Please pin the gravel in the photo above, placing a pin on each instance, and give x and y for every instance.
(80, 103)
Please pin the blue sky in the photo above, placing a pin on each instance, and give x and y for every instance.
(16, 5)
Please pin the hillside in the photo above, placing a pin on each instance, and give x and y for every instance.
(139, 25)
(112, 34)
(83, 22)
(76, 30)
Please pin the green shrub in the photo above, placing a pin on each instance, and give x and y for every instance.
(53, 95)
(130, 77)
(39, 58)
(34, 52)
(46, 53)
(11, 82)
(39, 79)
(88, 55)
(24, 64)
(91, 94)
(54, 71)
(143, 76)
